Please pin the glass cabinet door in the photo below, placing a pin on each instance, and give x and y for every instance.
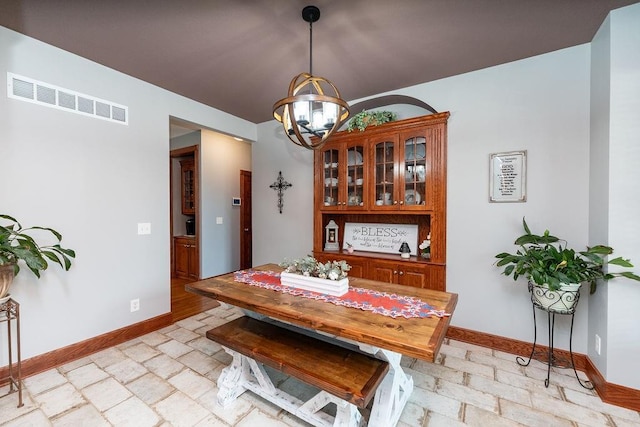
(415, 171)
(330, 177)
(383, 169)
(188, 187)
(355, 178)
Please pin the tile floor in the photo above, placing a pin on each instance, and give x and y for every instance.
(168, 378)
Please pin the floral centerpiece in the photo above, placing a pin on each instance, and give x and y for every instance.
(425, 247)
(310, 274)
(311, 267)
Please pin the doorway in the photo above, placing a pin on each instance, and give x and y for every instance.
(246, 230)
(185, 242)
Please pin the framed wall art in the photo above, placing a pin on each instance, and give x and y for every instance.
(508, 177)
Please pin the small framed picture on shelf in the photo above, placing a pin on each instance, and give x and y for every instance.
(508, 177)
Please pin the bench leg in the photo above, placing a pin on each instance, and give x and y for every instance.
(233, 378)
(245, 373)
(392, 394)
(347, 414)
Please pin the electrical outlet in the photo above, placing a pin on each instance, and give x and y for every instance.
(598, 344)
(135, 305)
(144, 228)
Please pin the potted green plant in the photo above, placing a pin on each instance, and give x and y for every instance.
(546, 261)
(370, 118)
(16, 244)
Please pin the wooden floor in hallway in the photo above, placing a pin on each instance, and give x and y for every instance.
(185, 304)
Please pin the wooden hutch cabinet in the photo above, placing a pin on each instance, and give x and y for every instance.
(393, 173)
(187, 185)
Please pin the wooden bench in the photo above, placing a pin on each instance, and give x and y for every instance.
(345, 377)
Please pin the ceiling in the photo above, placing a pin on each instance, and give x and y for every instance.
(240, 55)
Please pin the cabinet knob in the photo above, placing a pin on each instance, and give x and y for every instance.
(402, 273)
(246, 229)
(395, 202)
(395, 272)
(402, 202)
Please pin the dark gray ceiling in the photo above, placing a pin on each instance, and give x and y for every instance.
(240, 55)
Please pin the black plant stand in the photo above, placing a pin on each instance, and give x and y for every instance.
(554, 304)
(10, 312)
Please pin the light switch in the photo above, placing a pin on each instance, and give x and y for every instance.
(218, 220)
(144, 228)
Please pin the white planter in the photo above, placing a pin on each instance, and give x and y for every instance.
(561, 301)
(6, 278)
(315, 284)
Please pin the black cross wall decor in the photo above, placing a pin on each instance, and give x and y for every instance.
(280, 185)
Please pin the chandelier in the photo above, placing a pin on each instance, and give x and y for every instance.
(313, 109)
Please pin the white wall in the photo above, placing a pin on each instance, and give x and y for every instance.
(541, 105)
(221, 159)
(93, 181)
(623, 316)
(290, 234)
(599, 165)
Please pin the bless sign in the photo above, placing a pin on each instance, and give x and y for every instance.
(385, 238)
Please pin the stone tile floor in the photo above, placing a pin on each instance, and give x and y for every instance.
(168, 378)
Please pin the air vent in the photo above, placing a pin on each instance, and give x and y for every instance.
(119, 114)
(103, 110)
(22, 89)
(85, 105)
(30, 90)
(66, 100)
(46, 95)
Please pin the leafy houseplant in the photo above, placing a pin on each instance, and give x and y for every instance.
(546, 261)
(16, 244)
(370, 118)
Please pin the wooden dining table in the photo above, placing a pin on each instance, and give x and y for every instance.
(384, 337)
